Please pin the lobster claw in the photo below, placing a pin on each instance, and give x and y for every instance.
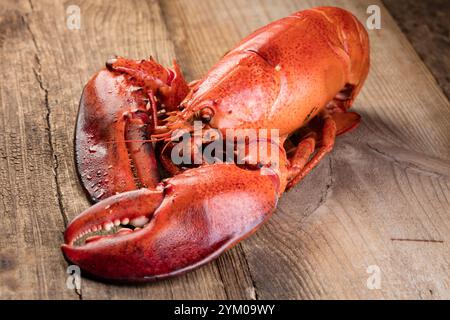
(117, 113)
(110, 114)
(188, 220)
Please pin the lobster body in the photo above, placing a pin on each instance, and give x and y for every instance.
(282, 75)
(298, 75)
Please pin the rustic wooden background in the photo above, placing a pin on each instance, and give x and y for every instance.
(382, 198)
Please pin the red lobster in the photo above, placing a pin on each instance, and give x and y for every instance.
(298, 75)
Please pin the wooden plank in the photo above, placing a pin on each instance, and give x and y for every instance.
(425, 23)
(388, 180)
(30, 261)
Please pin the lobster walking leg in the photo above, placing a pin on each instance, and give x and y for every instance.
(327, 143)
(337, 121)
(338, 109)
(345, 121)
(301, 156)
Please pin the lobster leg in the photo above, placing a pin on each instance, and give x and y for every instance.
(187, 221)
(337, 120)
(301, 156)
(300, 163)
(345, 121)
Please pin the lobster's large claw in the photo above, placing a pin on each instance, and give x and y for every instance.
(112, 112)
(193, 217)
(118, 111)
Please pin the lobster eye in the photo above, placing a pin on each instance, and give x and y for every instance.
(206, 114)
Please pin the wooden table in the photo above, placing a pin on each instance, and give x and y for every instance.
(379, 204)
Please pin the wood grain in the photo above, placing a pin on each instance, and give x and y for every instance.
(425, 23)
(382, 198)
(31, 230)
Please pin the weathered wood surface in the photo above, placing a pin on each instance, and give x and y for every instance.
(382, 198)
(426, 25)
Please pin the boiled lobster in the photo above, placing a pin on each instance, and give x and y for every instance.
(298, 76)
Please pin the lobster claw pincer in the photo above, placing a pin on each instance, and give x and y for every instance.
(117, 115)
(110, 114)
(187, 221)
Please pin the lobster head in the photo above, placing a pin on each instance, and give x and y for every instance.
(238, 92)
